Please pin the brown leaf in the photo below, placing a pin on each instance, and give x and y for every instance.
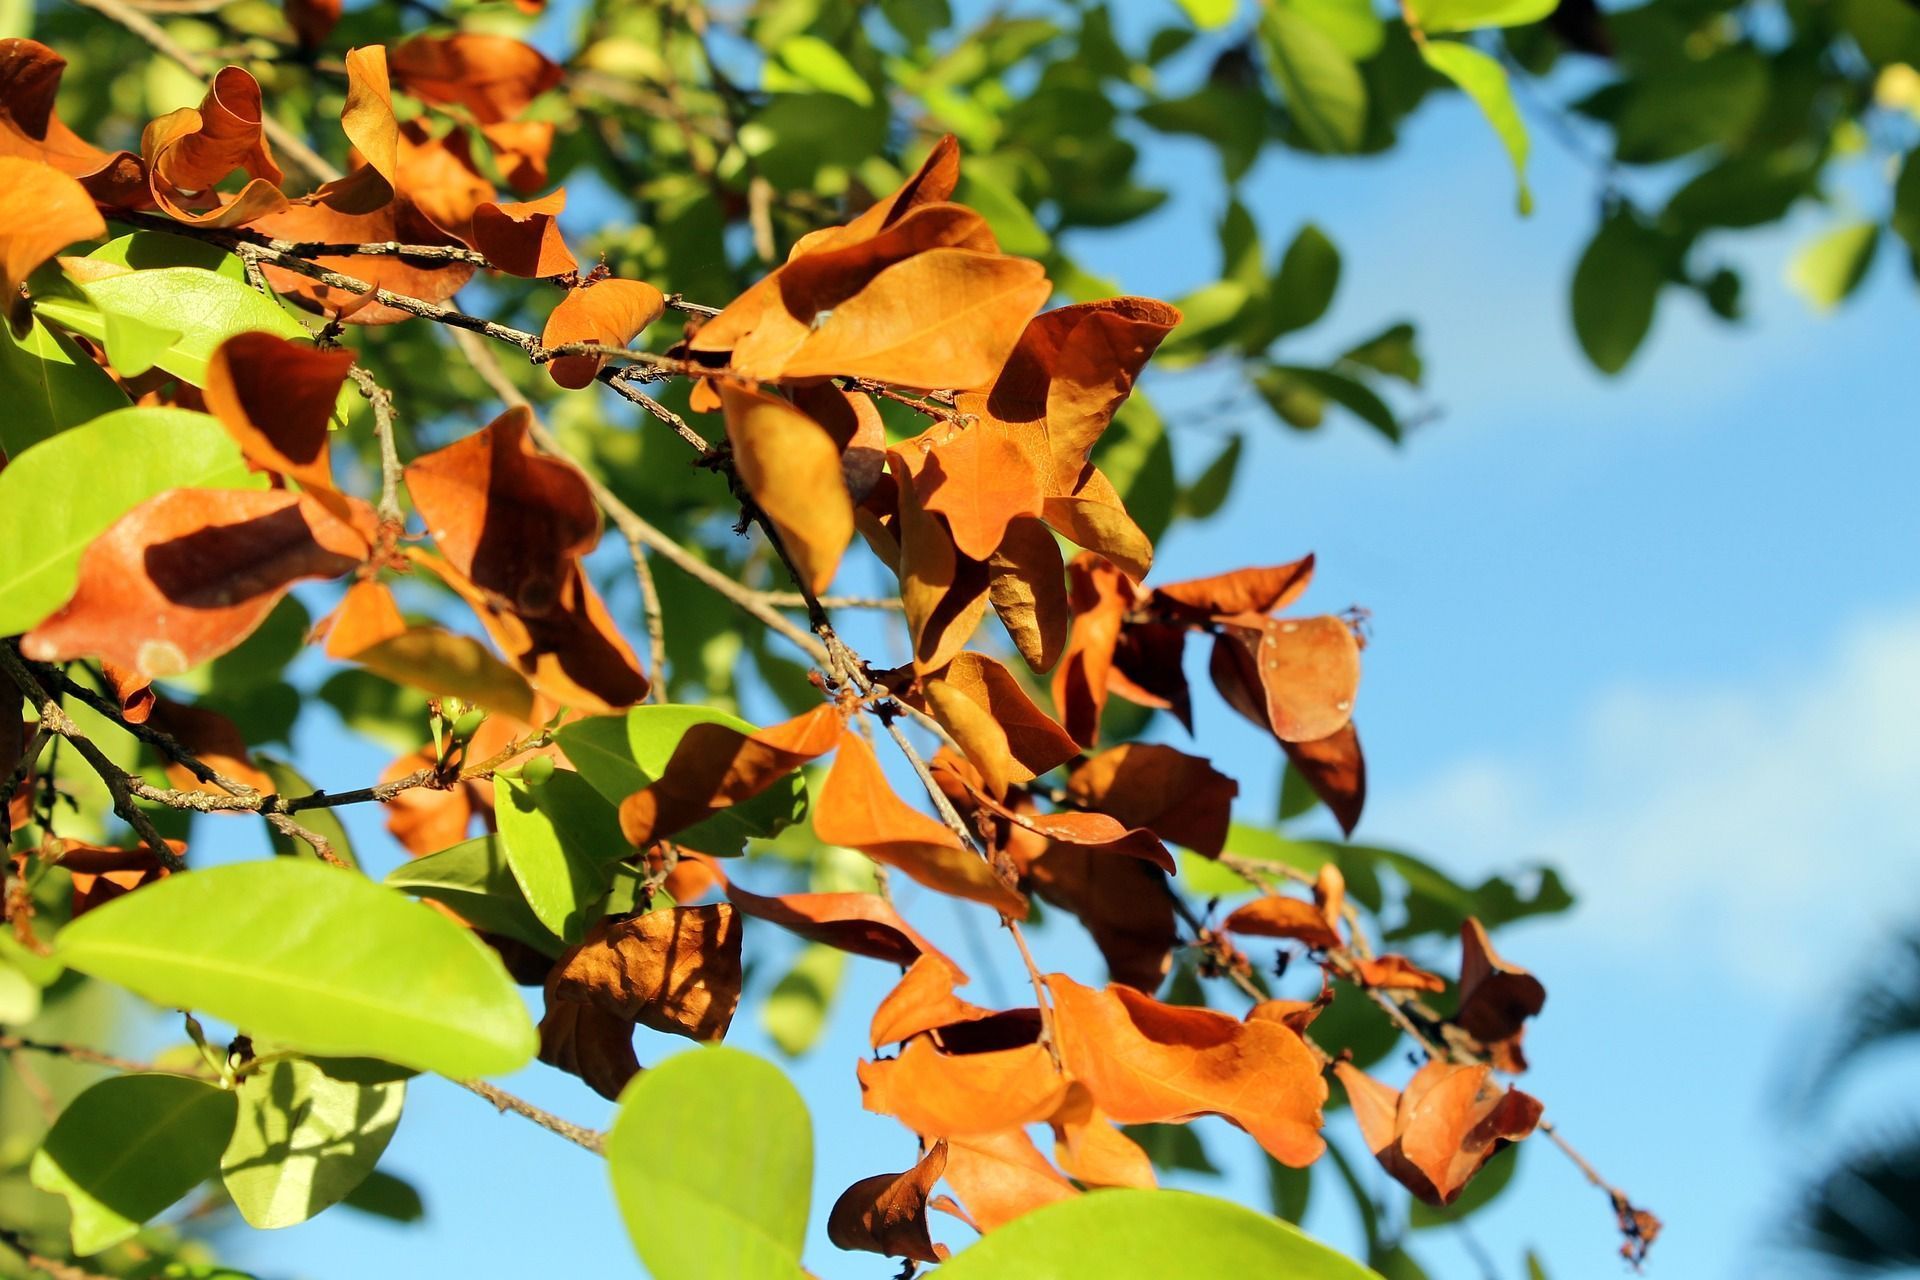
(715, 766)
(494, 77)
(1437, 1134)
(1316, 923)
(1295, 677)
(586, 1041)
(923, 1000)
(1148, 669)
(790, 465)
(1093, 832)
(189, 151)
(42, 211)
(1092, 1151)
(675, 970)
(399, 219)
(1147, 1062)
(312, 20)
(1001, 1175)
(101, 874)
(276, 398)
(1007, 738)
(981, 481)
(1200, 600)
(609, 312)
(857, 429)
(1397, 973)
(887, 1213)
(30, 129)
(941, 318)
(1179, 797)
(1336, 771)
(1093, 516)
(1496, 998)
(1124, 904)
(523, 239)
(1295, 1015)
(857, 808)
(1101, 597)
(1028, 589)
(508, 518)
(189, 574)
(944, 594)
(520, 150)
(133, 691)
(961, 1094)
(862, 924)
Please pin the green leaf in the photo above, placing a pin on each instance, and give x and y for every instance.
(1209, 14)
(385, 1196)
(1172, 1146)
(1827, 271)
(1308, 278)
(1615, 288)
(1350, 24)
(711, 1158)
(474, 879)
(795, 1012)
(808, 62)
(618, 755)
(308, 1133)
(1323, 89)
(1485, 81)
(1392, 352)
(1471, 15)
(204, 307)
(146, 250)
(315, 958)
(562, 838)
(127, 1148)
(51, 386)
(1290, 1188)
(1209, 490)
(127, 457)
(322, 822)
(1148, 1233)
(1348, 393)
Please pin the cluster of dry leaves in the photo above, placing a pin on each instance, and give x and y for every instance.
(912, 300)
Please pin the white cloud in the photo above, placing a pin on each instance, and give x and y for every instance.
(1751, 828)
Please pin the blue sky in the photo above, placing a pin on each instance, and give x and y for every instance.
(1663, 631)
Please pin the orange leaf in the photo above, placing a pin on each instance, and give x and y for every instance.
(675, 970)
(1199, 600)
(1295, 677)
(509, 519)
(1101, 597)
(400, 220)
(714, 767)
(858, 432)
(923, 1001)
(862, 924)
(1179, 797)
(30, 129)
(42, 211)
(586, 1041)
(932, 183)
(523, 239)
(276, 398)
(1027, 587)
(1092, 515)
(189, 574)
(494, 77)
(1001, 1175)
(1435, 1136)
(1398, 973)
(1496, 998)
(1094, 832)
(366, 615)
(368, 120)
(188, 152)
(134, 693)
(942, 318)
(101, 874)
(960, 1093)
(1334, 767)
(857, 808)
(1147, 1062)
(609, 312)
(1090, 1149)
(887, 1213)
(520, 149)
(1315, 923)
(1295, 1015)
(790, 465)
(1124, 904)
(312, 20)
(1006, 737)
(944, 594)
(980, 480)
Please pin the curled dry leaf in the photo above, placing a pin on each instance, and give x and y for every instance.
(42, 211)
(399, 219)
(1148, 669)
(1178, 797)
(1147, 1062)
(586, 1041)
(1295, 677)
(608, 312)
(1003, 733)
(30, 129)
(189, 574)
(857, 429)
(1316, 923)
(1295, 1015)
(675, 970)
(101, 873)
(862, 924)
(1100, 596)
(1264, 590)
(1336, 771)
(887, 1213)
(857, 808)
(523, 239)
(714, 767)
(1001, 1175)
(509, 519)
(791, 467)
(494, 77)
(189, 151)
(1496, 998)
(276, 398)
(1093, 832)
(1449, 1121)
(131, 690)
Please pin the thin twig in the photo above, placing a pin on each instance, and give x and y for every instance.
(590, 1139)
(381, 401)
